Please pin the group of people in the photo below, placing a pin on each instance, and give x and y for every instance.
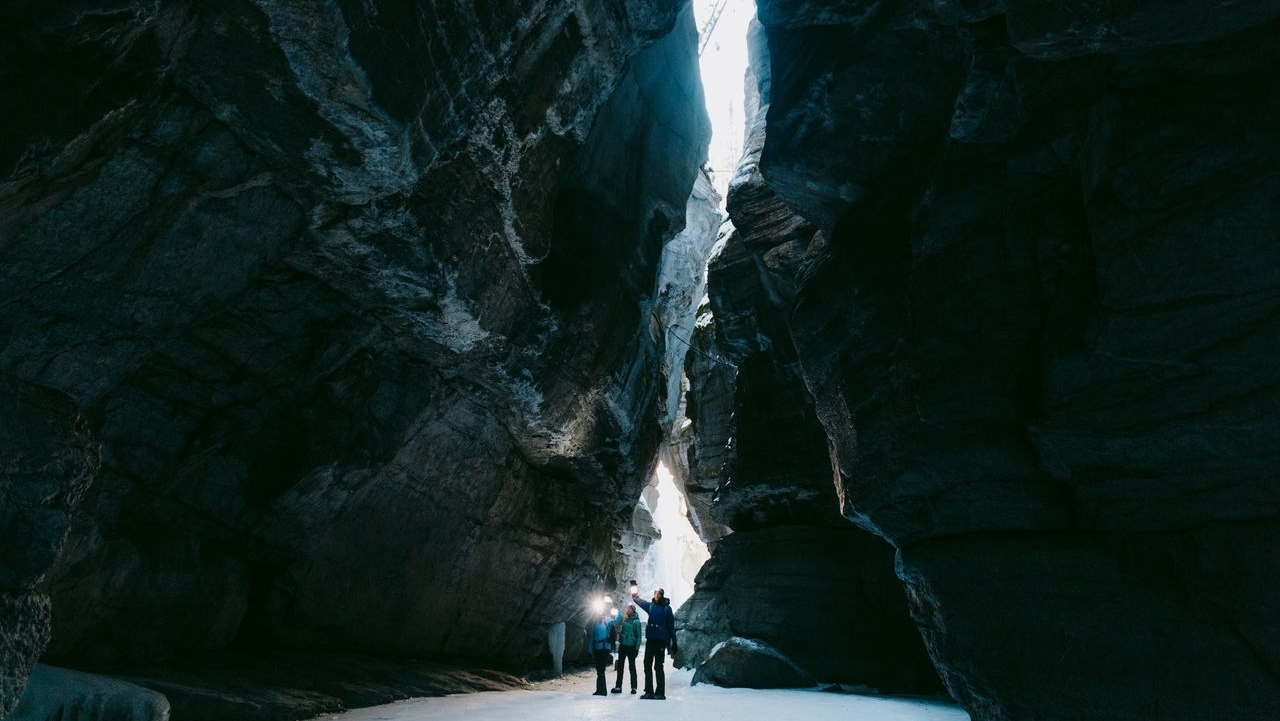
(659, 635)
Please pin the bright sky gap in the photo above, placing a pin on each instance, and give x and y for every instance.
(723, 27)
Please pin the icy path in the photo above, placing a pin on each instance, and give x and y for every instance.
(569, 699)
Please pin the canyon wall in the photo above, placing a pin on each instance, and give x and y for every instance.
(1033, 320)
(338, 325)
(794, 574)
(356, 297)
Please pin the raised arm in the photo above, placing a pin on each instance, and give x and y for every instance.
(643, 604)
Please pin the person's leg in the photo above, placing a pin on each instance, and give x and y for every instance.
(659, 673)
(632, 658)
(617, 677)
(648, 668)
(602, 662)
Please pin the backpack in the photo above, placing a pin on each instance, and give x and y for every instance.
(601, 642)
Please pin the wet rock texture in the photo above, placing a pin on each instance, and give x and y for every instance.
(1035, 325)
(357, 295)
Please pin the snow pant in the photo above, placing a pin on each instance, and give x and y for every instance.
(603, 659)
(625, 654)
(655, 676)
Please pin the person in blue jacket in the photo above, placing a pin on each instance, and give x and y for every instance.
(602, 635)
(659, 634)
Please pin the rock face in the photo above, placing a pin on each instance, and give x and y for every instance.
(357, 295)
(795, 574)
(48, 458)
(1035, 323)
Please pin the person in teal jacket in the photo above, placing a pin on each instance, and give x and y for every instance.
(630, 633)
(602, 635)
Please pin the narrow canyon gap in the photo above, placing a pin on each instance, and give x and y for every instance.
(343, 330)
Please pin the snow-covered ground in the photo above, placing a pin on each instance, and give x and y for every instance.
(569, 698)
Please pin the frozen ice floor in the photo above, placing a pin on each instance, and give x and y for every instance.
(569, 697)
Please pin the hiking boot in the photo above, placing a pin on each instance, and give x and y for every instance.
(648, 696)
(617, 689)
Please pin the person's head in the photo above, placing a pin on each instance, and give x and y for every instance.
(659, 594)
(631, 610)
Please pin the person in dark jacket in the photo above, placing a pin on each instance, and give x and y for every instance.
(630, 634)
(602, 635)
(659, 634)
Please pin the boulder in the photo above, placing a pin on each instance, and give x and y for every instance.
(57, 694)
(746, 663)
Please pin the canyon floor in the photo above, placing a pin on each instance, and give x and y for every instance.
(570, 697)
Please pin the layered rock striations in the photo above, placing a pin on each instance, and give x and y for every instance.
(357, 296)
(1035, 333)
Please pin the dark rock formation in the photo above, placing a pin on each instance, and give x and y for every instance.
(744, 663)
(1035, 326)
(48, 457)
(794, 574)
(358, 295)
(826, 598)
(708, 405)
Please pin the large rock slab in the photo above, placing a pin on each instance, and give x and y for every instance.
(58, 694)
(746, 663)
